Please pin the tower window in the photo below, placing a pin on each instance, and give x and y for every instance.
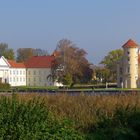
(121, 71)
(128, 69)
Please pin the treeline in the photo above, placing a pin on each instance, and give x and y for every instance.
(22, 54)
(71, 65)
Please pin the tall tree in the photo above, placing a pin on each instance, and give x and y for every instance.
(110, 62)
(23, 54)
(6, 52)
(40, 52)
(71, 62)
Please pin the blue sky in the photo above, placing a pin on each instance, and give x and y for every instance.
(98, 26)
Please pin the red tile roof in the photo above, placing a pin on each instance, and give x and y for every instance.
(14, 64)
(40, 62)
(130, 44)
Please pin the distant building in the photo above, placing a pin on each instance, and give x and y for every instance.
(128, 69)
(35, 72)
(17, 73)
(38, 70)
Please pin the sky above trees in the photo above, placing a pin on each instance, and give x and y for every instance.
(97, 26)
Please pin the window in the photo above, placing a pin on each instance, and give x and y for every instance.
(34, 72)
(13, 72)
(128, 69)
(20, 72)
(39, 72)
(23, 72)
(14, 79)
(10, 79)
(29, 73)
(20, 79)
(28, 79)
(10, 72)
(17, 72)
(39, 79)
(17, 79)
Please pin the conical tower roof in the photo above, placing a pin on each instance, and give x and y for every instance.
(130, 44)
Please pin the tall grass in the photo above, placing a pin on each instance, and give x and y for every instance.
(98, 117)
(102, 117)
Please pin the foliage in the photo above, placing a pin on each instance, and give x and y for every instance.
(68, 79)
(6, 52)
(101, 75)
(40, 52)
(23, 54)
(32, 120)
(110, 62)
(4, 86)
(123, 125)
(99, 117)
(48, 117)
(71, 61)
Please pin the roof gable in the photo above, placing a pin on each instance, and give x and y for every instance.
(3, 62)
(130, 44)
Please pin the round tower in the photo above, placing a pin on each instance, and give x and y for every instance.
(130, 64)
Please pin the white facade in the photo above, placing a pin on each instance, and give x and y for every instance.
(17, 76)
(4, 70)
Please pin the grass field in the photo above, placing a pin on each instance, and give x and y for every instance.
(81, 117)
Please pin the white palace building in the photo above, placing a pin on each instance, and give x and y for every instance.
(34, 72)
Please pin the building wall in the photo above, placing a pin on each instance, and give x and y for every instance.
(138, 82)
(4, 68)
(120, 74)
(130, 67)
(38, 77)
(17, 76)
(4, 75)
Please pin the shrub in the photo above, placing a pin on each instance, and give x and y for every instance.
(124, 125)
(31, 120)
(4, 86)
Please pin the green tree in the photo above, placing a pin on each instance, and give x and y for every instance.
(71, 62)
(6, 52)
(110, 62)
(102, 75)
